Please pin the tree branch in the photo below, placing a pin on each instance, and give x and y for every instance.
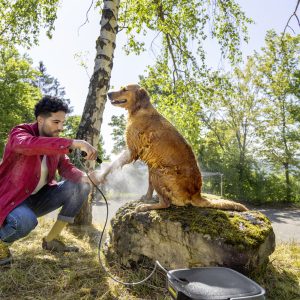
(152, 43)
(121, 28)
(86, 17)
(293, 15)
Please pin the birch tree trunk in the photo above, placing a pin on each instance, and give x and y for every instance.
(91, 120)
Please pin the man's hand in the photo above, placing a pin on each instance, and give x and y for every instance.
(91, 152)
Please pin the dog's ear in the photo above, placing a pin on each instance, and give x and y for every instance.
(142, 99)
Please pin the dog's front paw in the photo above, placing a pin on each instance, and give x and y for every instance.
(141, 208)
(99, 177)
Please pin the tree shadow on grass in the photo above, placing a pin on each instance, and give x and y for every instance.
(154, 288)
(92, 234)
(40, 274)
(36, 274)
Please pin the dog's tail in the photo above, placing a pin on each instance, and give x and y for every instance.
(200, 201)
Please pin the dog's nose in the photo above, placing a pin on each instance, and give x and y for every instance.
(109, 95)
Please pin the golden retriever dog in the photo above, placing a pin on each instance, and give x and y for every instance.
(173, 170)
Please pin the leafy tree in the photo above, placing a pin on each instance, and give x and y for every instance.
(101, 150)
(180, 23)
(278, 79)
(17, 95)
(118, 123)
(230, 116)
(71, 126)
(21, 20)
(49, 85)
(252, 128)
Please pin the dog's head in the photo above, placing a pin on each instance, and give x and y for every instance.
(131, 97)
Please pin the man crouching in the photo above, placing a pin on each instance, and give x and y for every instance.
(28, 188)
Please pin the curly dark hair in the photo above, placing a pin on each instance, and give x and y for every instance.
(50, 104)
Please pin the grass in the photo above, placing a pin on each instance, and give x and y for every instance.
(37, 274)
(281, 277)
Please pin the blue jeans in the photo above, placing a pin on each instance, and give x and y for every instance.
(23, 219)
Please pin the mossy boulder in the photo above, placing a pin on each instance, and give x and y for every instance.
(184, 237)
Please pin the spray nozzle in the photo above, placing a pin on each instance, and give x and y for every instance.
(98, 159)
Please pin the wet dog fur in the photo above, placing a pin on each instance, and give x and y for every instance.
(173, 170)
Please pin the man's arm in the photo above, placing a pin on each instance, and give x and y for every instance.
(69, 171)
(24, 142)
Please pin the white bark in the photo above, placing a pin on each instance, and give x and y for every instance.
(89, 128)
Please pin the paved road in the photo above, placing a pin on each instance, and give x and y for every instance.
(286, 222)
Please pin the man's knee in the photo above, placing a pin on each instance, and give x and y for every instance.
(84, 189)
(23, 223)
(77, 193)
(27, 224)
(77, 187)
(74, 201)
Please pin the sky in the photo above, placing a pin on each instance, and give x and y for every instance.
(59, 53)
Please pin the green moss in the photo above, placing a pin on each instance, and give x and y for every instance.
(246, 229)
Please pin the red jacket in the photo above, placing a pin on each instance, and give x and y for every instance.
(21, 165)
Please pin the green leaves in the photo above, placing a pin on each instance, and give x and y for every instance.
(20, 24)
(230, 27)
(17, 93)
(118, 123)
(22, 20)
(278, 79)
(181, 27)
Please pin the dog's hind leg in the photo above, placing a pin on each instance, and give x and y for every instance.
(223, 204)
(163, 203)
(149, 195)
